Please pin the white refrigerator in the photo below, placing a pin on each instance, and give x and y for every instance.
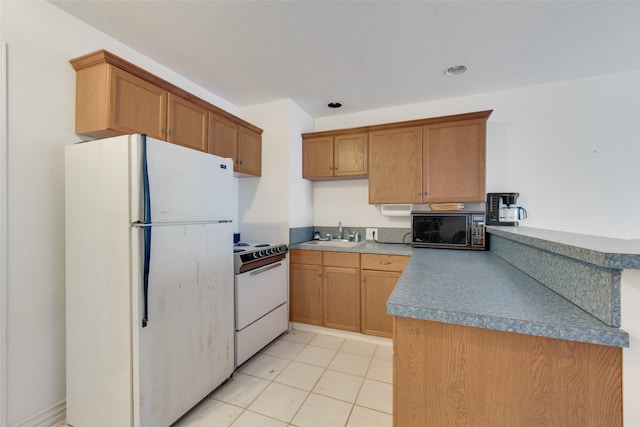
(149, 280)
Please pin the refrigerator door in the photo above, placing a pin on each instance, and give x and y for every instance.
(187, 348)
(182, 278)
(184, 185)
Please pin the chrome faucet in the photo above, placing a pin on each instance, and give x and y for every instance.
(340, 230)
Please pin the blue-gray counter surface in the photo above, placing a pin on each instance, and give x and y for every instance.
(483, 290)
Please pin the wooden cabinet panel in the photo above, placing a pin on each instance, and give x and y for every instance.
(384, 262)
(341, 259)
(298, 256)
(395, 165)
(376, 288)
(454, 157)
(137, 106)
(249, 152)
(111, 102)
(305, 294)
(446, 374)
(187, 123)
(341, 292)
(115, 97)
(317, 157)
(335, 156)
(350, 155)
(223, 136)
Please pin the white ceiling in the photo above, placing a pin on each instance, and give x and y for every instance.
(371, 54)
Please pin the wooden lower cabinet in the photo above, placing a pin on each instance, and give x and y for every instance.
(341, 290)
(379, 276)
(453, 375)
(305, 287)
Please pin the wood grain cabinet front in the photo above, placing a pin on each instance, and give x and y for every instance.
(237, 142)
(379, 276)
(341, 290)
(454, 375)
(335, 156)
(305, 287)
(115, 97)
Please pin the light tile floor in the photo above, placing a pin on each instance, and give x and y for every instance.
(304, 379)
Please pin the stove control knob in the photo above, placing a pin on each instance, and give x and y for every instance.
(255, 255)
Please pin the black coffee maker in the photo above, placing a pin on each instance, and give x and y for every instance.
(495, 201)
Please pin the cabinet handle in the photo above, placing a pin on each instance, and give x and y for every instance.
(385, 262)
(164, 130)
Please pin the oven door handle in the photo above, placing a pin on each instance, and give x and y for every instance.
(271, 267)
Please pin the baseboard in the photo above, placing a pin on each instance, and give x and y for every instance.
(53, 416)
(342, 334)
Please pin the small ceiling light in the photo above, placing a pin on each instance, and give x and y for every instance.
(455, 70)
(334, 105)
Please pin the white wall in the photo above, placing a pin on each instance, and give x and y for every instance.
(41, 39)
(570, 149)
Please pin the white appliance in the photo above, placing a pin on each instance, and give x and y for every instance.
(149, 270)
(261, 296)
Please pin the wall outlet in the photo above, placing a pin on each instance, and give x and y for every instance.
(371, 233)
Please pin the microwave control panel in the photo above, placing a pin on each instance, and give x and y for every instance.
(477, 231)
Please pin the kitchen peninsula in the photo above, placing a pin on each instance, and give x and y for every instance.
(524, 334)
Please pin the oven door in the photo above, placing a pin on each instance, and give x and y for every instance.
(447, 230)
(260, 291)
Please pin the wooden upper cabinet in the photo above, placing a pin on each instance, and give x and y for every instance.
(249, 152)
(395, 165)
(454, 162)
(244, 146)
(350, 155)
(115, 97)
(223, 136)
(335, 156)
(317, 157)
(111, 102)
(187, 123)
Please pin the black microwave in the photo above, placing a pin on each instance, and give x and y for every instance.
(449, 230)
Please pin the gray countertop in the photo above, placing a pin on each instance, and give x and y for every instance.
(363, 247)
(480, 289)
(602, 251)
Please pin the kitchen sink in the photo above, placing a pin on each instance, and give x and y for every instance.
(335, 242)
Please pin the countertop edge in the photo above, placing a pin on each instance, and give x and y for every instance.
(614, 337)
(601, 251)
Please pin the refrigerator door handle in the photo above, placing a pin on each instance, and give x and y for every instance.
(147, 233)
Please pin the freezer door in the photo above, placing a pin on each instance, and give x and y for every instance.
(184, 184)
(187, 348)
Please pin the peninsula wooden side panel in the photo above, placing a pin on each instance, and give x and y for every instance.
(452, 375)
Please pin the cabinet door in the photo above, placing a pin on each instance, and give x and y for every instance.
(395, 165)
(249, 152)
(136, 106)
(376, 288)
(341, 291)
(454, 159)
(305, 289)
(351, 153)
(187, 123)
(317, 157)
(223, 136)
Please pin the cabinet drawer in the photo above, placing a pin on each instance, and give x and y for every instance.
(342, 259)
(384, 262)
(299, 256)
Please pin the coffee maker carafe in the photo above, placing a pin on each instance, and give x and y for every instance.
(501, 209)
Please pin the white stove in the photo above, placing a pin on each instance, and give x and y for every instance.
(261, 296)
